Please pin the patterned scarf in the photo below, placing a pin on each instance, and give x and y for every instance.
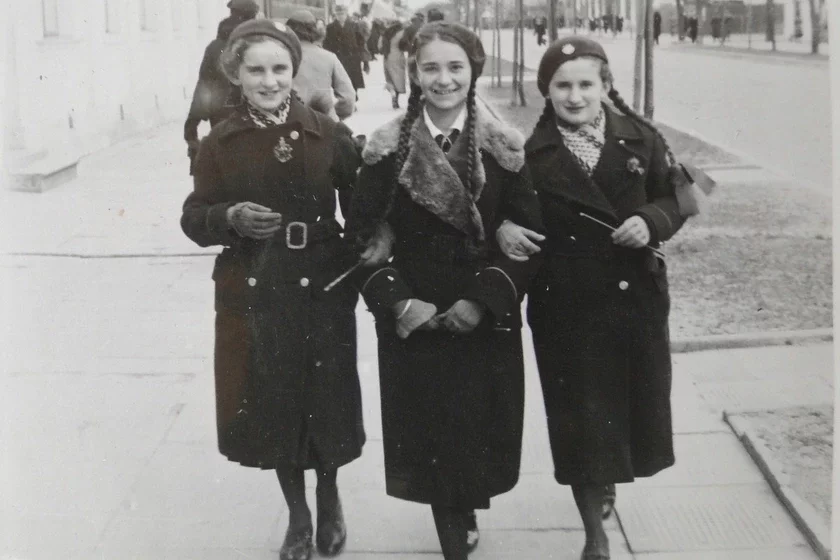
(265, 120)
(585, 142)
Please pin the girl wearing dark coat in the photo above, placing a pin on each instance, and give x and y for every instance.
(447, 306)
(287, 390)
(599, 305)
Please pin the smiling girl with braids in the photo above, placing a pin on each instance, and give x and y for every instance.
(435, 184)
(599, 305)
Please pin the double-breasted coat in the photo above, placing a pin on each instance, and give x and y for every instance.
(452, 404)
(599, 312)
(287, 389)
(347, 41)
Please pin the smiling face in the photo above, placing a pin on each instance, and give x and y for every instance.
(265, 74)
(444, 75)
(576, 90)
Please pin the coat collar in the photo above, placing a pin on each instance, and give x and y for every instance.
(504, 143)
(298, 113)
(619, 126)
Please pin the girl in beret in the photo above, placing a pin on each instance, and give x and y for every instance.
(435, 184)
(598, 308)
(287, 390)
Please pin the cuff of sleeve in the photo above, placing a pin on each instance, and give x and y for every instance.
(218, 226)
(495, 289)
(663, 223)
(383, 288)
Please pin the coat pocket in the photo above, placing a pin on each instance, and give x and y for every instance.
(659, 273)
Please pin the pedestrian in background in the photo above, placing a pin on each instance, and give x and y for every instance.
(434, 185)
(394, 62)
(657, 26)
(321, 81)
(346, 41)
(539, 29)
(214, 97)
(598, 308)
(287, 390)
(434, 15)
(410, 31)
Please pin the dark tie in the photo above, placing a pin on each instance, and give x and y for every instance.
(445, 142)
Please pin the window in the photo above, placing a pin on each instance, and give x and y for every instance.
(112, 16)
(50, 17)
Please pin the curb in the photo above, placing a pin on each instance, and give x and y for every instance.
(750, 340)
(804, 516)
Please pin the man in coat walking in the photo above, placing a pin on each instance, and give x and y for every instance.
(214, 96)
(347, 41)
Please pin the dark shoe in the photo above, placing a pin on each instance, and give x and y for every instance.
(609, 501)
(332, 532)
(297, 545)
(472, 531)
(395, 102)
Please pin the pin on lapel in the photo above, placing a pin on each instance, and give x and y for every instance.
(282, 151)
(633, 166)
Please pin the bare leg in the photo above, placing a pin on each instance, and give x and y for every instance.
(590, 499)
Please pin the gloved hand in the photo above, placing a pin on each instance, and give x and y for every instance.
(413, 314)
(463, 317)
(253, 220)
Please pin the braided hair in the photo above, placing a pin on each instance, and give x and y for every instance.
(471, 44)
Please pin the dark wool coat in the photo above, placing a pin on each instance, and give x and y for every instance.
(599, 312)
(348, 43)
(452, 405)
(287, 389)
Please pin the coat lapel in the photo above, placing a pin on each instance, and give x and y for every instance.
(560, 173)
(623, 142)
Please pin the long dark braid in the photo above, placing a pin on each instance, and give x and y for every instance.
(412, 112)
(473, 131)
(622, 106)
(546, 116)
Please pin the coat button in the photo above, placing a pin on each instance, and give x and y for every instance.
(294, 135)
(621, 142)
(304, 281)
(572, 238)
(623, 285)
(252, 281)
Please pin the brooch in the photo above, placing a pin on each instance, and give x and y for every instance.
(634, 167)
(282, 151)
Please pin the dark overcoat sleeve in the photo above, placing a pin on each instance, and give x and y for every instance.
(344, 167)
(381, 286)
(502, 284)
(661, 212)
(204, 214)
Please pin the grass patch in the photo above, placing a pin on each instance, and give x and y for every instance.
(758, 260)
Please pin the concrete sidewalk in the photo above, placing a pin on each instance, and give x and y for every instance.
(106, 388)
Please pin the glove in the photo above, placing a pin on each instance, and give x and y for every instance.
(463, 317)
(414, 314)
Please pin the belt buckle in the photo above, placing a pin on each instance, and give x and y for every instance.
(304, 234)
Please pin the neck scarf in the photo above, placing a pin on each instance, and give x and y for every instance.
(586, 141)
(264, 119)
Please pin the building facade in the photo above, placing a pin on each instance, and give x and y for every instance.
(80, 74)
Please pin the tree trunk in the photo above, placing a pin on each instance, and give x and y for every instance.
(649, 59)
(680, 22)
(639, 60)
(552, 21)
(514, 78)
(498, 51)
(521, 79)
(574, 14)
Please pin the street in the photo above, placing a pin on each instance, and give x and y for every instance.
(106, 379)
(774, 110)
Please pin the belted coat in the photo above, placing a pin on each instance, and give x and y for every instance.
(599, 312)
(287, 389)
(452, 404)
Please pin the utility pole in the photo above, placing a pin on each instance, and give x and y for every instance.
(552, 21)
(639, 59)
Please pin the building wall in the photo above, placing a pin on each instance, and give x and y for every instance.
(80, 74)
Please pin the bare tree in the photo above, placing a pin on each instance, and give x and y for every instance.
(816, 7)
(552, 21)
(639, 59)
(680, 21)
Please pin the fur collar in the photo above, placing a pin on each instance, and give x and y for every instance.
(504, 143)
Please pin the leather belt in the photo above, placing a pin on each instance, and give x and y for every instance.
(299, 235)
